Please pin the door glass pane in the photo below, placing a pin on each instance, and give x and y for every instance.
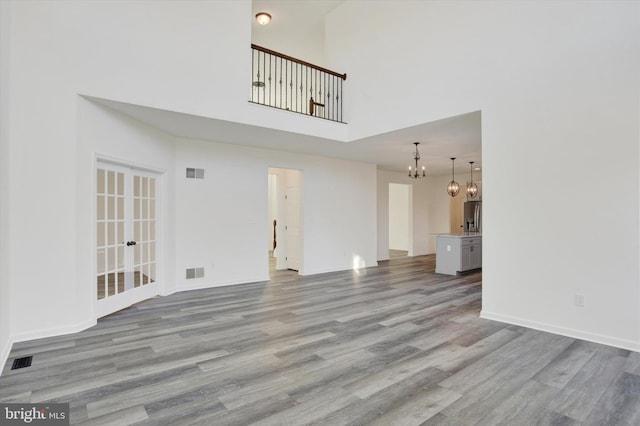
(111, 284)
(111, 208)
(100, 234)
(100, 207)
(121, 184)
(100, 262)
(101, 286)
(136, 230)
(152, 188)
(136, 208)
(136, 254)
(145, 187)
(120, 236)
(111, 233)
(137, 277)
(121, 258)
(136, 186)
(111, 182)
(120, 207)
(100, 180)
(111, 258)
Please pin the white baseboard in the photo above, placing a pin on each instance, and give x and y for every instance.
(563, 331)
(40, 334)
(203, 285)
(52, 332)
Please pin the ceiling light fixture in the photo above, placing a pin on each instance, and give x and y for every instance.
(416, 157)
(472, 188)
(453, 188)
(263, 18)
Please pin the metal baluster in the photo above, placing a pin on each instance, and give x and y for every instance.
(270, 56)
(280, 99)
(253, 55)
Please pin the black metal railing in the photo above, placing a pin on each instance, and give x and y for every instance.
(284, 82)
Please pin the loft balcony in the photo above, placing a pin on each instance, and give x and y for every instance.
(283, 82)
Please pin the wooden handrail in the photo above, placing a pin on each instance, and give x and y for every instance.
(298, 61)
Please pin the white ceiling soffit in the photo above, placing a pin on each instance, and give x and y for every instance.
(457, 136)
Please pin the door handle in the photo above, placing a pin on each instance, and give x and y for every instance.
(131, 243)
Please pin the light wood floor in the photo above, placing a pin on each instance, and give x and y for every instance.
(393, 345)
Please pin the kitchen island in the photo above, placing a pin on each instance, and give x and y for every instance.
(458, 253)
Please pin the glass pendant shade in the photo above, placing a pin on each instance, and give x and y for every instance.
(453, 188)
(472, 188)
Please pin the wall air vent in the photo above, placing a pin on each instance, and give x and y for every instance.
(195, 173)
(193, 273)
(23, 362)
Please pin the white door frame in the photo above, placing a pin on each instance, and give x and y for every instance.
(285, 178)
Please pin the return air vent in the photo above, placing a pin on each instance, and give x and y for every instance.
(22, 362)
(195, 173)
(193, 273)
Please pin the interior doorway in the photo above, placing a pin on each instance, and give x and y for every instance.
(285, 219)
(400, 229)
(126, 236)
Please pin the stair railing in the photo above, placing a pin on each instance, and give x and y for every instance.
(284, 82)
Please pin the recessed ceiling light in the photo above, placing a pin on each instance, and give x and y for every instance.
(263, 18)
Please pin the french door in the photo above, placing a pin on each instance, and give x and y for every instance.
(126, 236)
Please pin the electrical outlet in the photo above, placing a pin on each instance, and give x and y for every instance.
(578, 300)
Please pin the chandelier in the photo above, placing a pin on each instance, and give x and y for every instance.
(416, 156)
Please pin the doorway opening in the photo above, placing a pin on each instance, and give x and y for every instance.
(285, 220)
(400, 228)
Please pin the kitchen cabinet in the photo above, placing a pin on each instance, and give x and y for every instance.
(458, 253)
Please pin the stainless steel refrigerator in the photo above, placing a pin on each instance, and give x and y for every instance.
(473, 216)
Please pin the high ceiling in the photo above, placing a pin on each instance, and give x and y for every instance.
(458, 136)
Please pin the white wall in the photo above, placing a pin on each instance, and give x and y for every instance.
(399, 216)
(5, 291)
(222, 221)
(557, 83)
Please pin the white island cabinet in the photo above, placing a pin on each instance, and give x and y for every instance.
(457, 253)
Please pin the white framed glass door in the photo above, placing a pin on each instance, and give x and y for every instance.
(126, 236)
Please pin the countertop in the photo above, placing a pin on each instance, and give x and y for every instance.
(460, 235)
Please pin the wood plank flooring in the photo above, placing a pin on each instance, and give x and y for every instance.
(392, 345)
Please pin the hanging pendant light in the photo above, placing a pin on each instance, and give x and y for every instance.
(453, 188)
(416, 157)
(472, 188)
